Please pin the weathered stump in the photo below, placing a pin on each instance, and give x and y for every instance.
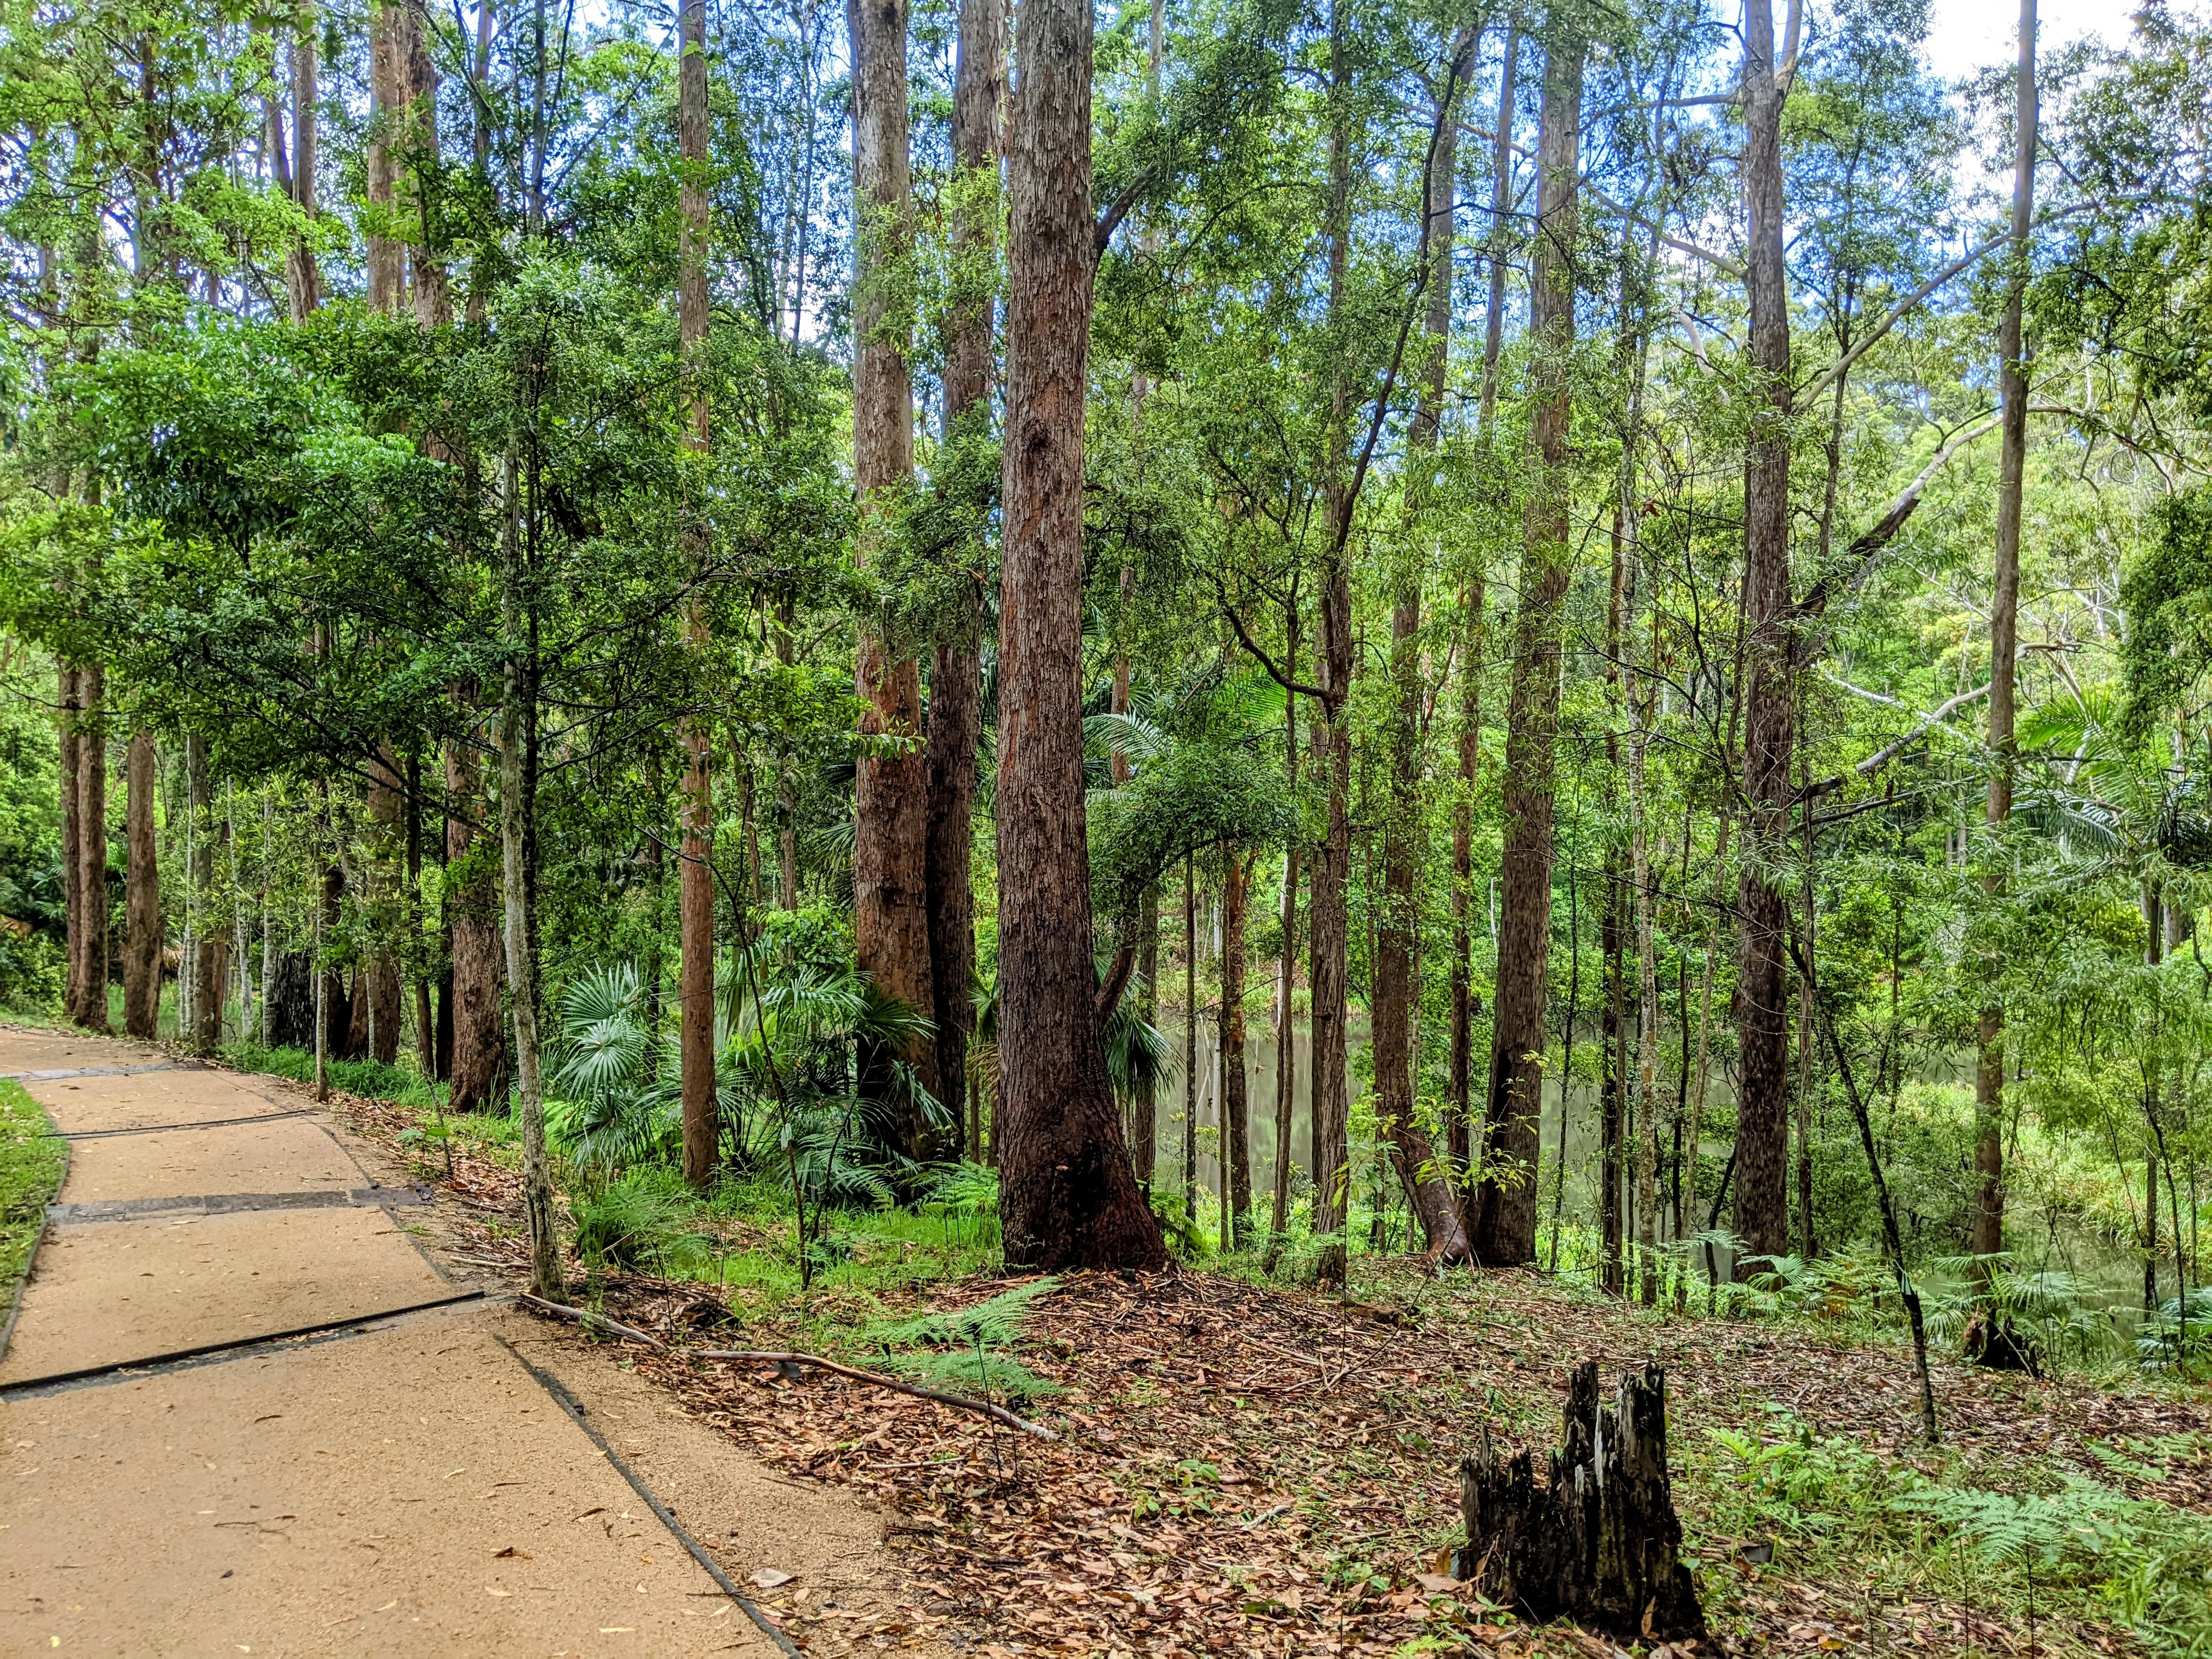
(1599, 1542)
(292, 1002)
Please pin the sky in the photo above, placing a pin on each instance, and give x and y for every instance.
(1965, 35)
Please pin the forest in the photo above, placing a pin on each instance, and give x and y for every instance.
(1475, 666)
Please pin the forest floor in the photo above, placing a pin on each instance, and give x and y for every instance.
(256, 1401)
(1247, 1468)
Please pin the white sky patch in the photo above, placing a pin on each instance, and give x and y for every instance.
(1965, 35)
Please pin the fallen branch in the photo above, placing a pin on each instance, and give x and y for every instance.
(590, 1321)
(791, 1364)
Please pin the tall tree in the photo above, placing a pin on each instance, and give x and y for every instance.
(1328, 906)
(1236, 1113)
(1067, 1196)
(890, 886)
(1460, 1084)
(1505, 1213)
(1762, 1209)
(2004, 632)
(1398, 933)
(142, 904)
(695, 887)
(956, 679)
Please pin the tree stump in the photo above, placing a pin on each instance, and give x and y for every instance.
(1599, 1542)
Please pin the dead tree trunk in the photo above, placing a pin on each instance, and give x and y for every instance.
(1599, 1542)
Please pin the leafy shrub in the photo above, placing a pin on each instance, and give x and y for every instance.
(643, 1222)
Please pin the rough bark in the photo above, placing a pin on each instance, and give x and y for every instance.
(1506, 1210)
(91, 843)
(1190, 1036)
(1286, 1053)
(1762, 1211)
(955, 678)
(213, 975)
(1144, 1108)
(478, 1066)
(696, 886)
(433, 293)
(516, 809)
(1599, 1542)
(1067, 1198)
(425, 1025)
(303, 282)
(1428, 1184)
(387, 802)
(142, 950)
(891, 886)
(291, 1001)
(69, 707)
(1235, 1110)
(2004, 623)
(1329, 965)
(387, 69)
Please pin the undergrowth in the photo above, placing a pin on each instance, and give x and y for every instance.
(2031, 1543)
(32, 1160)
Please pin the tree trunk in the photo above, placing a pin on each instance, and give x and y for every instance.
(69, 710)
(1236, 1107)
(955, 678)
(303, 283)
(956, 681)
(478, 1066)
(386, 800)
(1612, 1116)
(1067, 1198)
(1647, 1005)
(1461, 1085)
(1762, 1211)
(517, 714)
(1505, 1216)
(1599, 1542)
(1501, 206)
(212, 975)
(1189, 1037)
(1328, 963)
(387, 69)
(695, 887)
(433, 295)
(1144, 1140)
(2004, 621)
(426, 1027)
(142, 950)
(1428, 1186)
(1286, 1051)
(92, 842)
(890, 883)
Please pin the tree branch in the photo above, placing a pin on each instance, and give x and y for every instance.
(1881, 757)
(1860, 557)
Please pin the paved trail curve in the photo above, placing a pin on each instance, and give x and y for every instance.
(243, 1410)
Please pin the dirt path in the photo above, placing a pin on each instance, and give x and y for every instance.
(248, 1407)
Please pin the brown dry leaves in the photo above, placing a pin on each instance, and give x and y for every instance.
(1252, 1470)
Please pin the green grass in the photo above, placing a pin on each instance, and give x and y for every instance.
(32, 1159)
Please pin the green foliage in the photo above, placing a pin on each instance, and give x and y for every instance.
(32, 1159)
(992, 1323)
(643, 1222)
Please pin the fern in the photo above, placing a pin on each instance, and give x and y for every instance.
(992, 1323)
(979, 1371)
